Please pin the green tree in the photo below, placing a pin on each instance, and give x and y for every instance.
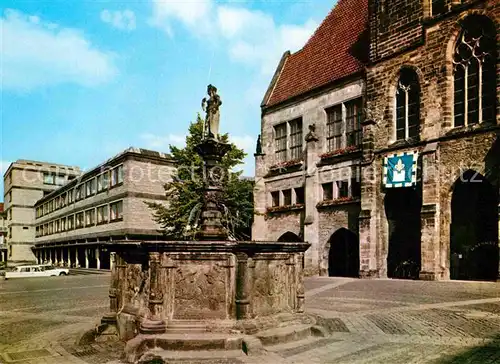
(179, 217)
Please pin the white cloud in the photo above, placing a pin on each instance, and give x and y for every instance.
(123, 20)
(191, 13)
(34, 53)
(162, 143)
(252, 37)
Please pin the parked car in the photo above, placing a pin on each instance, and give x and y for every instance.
(40, 270)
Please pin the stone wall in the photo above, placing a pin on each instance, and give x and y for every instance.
(303, 221)
(411, 37)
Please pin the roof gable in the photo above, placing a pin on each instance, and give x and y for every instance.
(336, 50)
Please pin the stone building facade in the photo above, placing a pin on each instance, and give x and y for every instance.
(307, 173)
(108, 203)
(3, 234)
(25, 182)
(428, 79)
(432, 88)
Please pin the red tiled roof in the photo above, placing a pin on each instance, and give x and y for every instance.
(335, 51)
(1, 206)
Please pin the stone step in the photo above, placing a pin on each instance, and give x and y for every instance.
(284, 334)
(196, 341)
(199, 355)
(289, 349)
(282, 347)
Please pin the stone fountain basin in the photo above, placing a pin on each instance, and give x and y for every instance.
(160, 289)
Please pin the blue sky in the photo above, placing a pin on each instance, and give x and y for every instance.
(83, 80)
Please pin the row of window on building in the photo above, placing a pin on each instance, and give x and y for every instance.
(343, 130)
(331, 192)
(103, 214)
(87, 188)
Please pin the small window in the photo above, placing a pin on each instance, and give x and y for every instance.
(296, 139)
(280, 142)
(25, 228)
(407, 105)
(116, 210)
(299, 196)
(327, 191)
(90, 217)
(355, 188)
(438, 7)
(334, 125)
(343, 189)
(102, 214)
(90, 187)
(275, 196)
(120, 174)
(79, 219)
(353, 122)
(59, 180)
(71, 222)
(287, 197)
(48, 179)
(102, 182)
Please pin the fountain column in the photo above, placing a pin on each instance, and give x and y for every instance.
(153, 324)
(212, 151)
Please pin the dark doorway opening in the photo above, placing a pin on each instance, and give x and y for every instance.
(289, 237)
(343, 258)
(474, 229)
(402, 208)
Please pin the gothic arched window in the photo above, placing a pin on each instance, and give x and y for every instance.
(474, 72)
(407, 105)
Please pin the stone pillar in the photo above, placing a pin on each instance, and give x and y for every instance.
(430, 224)
(369, 239)
(86, 258)
(77, 261)
(97, 257)
(63, 261)
(243, 288)
(110, 318)
(69, 257)
(299, 282)
(111, 261)
(154, 324)
(259, 226)
(498, 279)
(314, 262)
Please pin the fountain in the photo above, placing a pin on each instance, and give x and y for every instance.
(207, 294)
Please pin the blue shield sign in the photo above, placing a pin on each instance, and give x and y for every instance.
(400, 170)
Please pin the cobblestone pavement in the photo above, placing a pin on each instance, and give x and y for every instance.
(373, 321)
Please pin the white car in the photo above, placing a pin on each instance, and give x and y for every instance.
(41, 270)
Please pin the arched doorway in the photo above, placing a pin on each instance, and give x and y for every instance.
(289, 237)
(343, 258)
(402, 208)
(474, 229)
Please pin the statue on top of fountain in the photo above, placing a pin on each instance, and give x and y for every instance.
(211, 107)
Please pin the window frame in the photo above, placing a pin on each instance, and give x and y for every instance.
(281, 142)
(461, 67)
